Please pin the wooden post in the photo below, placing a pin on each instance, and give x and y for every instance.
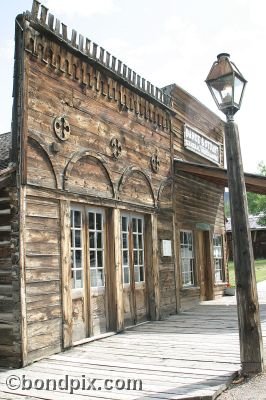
(152, 262)
(251, 347)
(118, 271)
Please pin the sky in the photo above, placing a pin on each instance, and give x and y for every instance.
(166, 41)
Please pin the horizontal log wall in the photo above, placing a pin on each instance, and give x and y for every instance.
(10, 317)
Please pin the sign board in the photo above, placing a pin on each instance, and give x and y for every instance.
(200, 144)
(166, 248)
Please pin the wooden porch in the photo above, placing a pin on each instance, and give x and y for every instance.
(192, 355)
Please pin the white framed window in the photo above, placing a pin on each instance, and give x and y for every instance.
(187, 257)
(132, 246)
(76, 249)
(96, 247)
(125, 248)
(138, 248)
(218, 257)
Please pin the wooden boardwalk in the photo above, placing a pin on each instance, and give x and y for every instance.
(188, 356)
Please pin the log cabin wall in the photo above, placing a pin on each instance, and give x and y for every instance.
(10, 307)
(198, 204)
(96, 137)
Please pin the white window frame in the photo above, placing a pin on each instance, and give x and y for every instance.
(73, 229)
(189, 258)
(126, 248)
(137, 248)
(218, 259)
(96, 249)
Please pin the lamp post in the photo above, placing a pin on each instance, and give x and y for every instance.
(227, 85)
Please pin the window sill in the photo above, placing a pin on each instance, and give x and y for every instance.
(185, 288)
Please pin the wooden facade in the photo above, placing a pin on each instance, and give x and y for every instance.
(99, 229)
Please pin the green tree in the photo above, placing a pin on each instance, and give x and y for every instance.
(257, 202)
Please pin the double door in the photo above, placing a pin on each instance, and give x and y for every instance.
(93, 271)
(88, 273)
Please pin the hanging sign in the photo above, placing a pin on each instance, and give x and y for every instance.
(200, 144)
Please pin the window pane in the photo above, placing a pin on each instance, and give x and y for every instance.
(99, 259)
(99, 222)
(125, 257)
(140, 241)
(78, 258)
(126, 275)
(77, 238)
(92, 259)
(134, 224)
(135, 257)
(124, 240)
(99, 240)
(92, 240)
(141, 271)
(135, 242)
(140, 225)
(124, 224)
(141, 258)
(91, 221)
(77, 219)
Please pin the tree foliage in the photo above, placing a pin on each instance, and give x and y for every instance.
(257, 202)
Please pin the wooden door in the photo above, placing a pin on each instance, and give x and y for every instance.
(205, 265)
(134, 281)
(88, 272)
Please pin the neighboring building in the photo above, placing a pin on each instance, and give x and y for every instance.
(258, 236)
(5, 146)
(112, 204)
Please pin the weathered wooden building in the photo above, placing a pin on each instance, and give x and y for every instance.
(258, 236)
(103, 225)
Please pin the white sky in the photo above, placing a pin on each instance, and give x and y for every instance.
(166, 41)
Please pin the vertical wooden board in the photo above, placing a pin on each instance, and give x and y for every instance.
(152, 265)
(66, 272)
(120, 300)
(24, 332)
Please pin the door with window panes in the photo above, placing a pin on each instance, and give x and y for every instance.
(133, 266)
(88, 272)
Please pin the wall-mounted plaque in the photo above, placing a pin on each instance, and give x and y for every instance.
(166, 248)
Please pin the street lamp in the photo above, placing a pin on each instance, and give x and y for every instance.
(227, 84)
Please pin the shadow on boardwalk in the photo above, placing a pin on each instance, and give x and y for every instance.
(192, 355)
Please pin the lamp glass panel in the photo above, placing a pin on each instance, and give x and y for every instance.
(238, 89)
(223, 89)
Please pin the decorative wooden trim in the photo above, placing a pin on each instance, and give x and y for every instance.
(81, 154)
(43, 147)
(131, 170)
